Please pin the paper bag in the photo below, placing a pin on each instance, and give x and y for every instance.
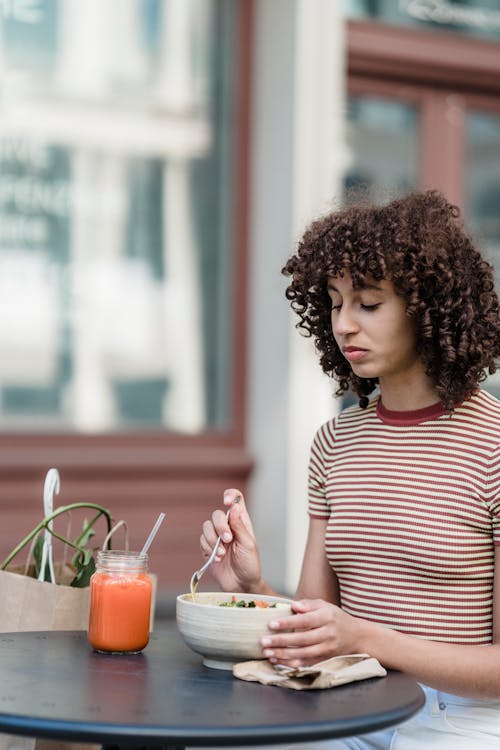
(29, 604)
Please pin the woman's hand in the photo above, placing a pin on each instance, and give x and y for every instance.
(318, 630)
(236, 567)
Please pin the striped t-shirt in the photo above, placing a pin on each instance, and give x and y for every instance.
(413, 507)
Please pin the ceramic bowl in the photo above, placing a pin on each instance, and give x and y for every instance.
(226, 635)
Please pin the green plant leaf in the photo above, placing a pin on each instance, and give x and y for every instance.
(37, 553)
(83, 539)
(85, 567)
(45, 523)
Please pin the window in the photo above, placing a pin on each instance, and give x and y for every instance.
(483, 179)
(117, 198)
(383, 144)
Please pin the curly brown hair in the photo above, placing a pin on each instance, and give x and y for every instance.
(418, 242)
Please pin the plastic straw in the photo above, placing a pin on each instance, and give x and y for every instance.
(153, 533)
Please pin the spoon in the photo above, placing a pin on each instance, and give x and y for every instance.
(195, 578)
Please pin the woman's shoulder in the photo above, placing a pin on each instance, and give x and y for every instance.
(347, 417)
(479, 419)
(482, 404)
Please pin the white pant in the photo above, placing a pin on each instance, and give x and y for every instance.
(446, 722)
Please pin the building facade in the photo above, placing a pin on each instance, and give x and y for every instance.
(158, 161)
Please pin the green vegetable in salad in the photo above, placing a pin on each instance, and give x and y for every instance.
(252, 604)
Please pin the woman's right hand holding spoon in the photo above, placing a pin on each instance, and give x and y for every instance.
(236, 566)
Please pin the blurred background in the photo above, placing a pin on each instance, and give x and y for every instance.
(159, 160)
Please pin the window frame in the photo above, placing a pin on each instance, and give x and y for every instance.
(443, 73)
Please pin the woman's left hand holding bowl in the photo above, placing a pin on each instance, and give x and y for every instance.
(318, 630)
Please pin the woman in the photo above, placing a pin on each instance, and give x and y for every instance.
(404, 488)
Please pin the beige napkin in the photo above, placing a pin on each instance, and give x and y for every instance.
(325, 674)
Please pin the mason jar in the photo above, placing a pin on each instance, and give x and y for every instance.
(120, 602)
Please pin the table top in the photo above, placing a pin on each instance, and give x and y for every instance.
(53, 685)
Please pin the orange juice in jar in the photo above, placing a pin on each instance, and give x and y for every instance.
(120, 602)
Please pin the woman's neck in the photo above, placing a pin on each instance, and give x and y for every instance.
(409, 395)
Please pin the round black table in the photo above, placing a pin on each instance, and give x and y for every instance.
(53, 685)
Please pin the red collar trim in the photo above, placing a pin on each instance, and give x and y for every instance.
(408, 418)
